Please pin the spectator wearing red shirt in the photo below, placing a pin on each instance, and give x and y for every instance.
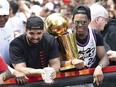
(4, 72)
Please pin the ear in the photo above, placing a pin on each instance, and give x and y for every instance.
(25, 31)
(10, 10)
(96, 20)
(89, 20)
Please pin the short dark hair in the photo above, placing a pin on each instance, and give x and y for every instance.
(82, 10)
(14, 6)
(35, 23)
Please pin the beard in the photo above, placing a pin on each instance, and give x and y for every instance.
(31, 43)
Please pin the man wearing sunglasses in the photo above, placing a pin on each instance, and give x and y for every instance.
(90, 44)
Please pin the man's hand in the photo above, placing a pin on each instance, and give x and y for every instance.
(98, 75)
(79, 64)
(1, 82)
(111, 55)
(20, 77)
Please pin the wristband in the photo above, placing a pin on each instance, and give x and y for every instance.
(101, 65)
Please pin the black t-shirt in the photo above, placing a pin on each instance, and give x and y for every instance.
(36, 56)
(109, 35)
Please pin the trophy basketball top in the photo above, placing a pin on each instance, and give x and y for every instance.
(56, 24)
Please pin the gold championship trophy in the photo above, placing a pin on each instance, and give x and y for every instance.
(57, 25)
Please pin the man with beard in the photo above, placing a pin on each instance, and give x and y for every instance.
(34, 50)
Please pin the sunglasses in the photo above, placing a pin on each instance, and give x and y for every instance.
(80, 22)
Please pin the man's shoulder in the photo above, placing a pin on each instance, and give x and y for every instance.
(96, 32)
(111, 25)
(48, 36)
(97, 35)
(112, 22)
(49, 39)
(19, 39)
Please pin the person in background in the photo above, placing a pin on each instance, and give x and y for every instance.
(39, 11)
(90, 44)
(34, 50)
(109, 32)
(6, 36)
(89, 2)
(111, 7)
(17, 23)
(99, 19)
(24, 10)
(101, 23)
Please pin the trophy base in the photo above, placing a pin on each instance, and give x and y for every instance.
(67, 68)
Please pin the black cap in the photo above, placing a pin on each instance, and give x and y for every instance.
(35, 23)
(82, 10)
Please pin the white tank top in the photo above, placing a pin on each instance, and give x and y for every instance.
(87, 51)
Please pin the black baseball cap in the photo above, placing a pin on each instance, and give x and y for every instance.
(35, 23)
(82, 10)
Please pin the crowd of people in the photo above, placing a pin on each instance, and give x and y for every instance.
(26, 48)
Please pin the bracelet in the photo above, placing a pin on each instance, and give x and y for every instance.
(101, 65)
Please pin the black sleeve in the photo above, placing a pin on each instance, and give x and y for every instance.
(109, 33)
(107, 47)
(53, 45)
(16, 54)
(54, 49)
(110, 38)
(99, 39)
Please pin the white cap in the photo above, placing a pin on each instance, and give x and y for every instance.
(4, 7)
(36, 9)
(49, 6)
(100, 11)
